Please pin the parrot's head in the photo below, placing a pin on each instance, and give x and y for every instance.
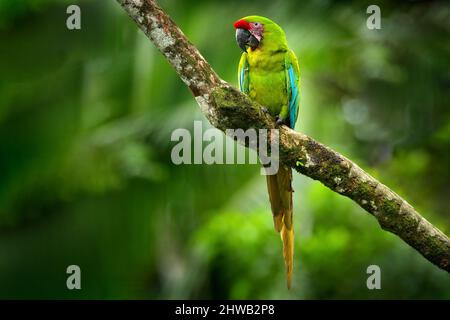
(254, 31)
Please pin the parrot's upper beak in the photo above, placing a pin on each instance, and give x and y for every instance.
(244, 38)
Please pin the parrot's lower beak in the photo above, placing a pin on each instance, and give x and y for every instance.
(244, 38)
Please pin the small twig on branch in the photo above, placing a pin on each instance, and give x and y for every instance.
(225, 107)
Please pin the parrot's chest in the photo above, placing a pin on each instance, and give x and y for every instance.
(267, 81)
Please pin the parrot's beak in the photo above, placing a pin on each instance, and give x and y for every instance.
(244, 38)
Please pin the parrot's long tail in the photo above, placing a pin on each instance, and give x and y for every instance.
(280, 195)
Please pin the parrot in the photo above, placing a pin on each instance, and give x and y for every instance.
(269, 74)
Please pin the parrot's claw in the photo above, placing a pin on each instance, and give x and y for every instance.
(279, 120)
(264, 110)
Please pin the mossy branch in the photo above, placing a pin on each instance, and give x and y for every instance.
(225, 107)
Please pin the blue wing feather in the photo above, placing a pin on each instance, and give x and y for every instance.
(243, 73)
(241, 79)
(294, 97)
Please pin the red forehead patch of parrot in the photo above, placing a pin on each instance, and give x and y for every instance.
(242, 24)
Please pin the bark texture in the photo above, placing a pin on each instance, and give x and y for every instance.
(227, 108)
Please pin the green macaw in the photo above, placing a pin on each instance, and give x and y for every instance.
(269, 74)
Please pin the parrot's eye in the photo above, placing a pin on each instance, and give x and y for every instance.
(256, 24)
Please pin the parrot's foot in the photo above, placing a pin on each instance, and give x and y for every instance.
(279, 120)
(264, 110)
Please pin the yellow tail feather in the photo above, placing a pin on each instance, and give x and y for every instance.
(287, 236)
(280, 195)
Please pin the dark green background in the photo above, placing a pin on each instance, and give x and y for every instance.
(86, 176)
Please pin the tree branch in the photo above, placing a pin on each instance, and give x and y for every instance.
(225, 107)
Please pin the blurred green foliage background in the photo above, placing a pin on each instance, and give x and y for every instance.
(86, 176)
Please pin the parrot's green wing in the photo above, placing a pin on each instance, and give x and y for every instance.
(243, 77)
(293, 86)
